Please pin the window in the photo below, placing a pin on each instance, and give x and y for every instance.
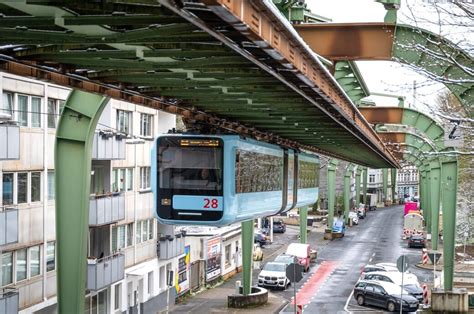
(144, 230)
(146, 124)
(145, 178)
(50, 256)
(150, 283)
(138, 233)
(7, 104)
(51, 185)
(130, 234)
(35, 261)
(23, 110)
(118, 237)
(114, 239)
(378, 290)
(371, 178)
(7, 268)
(35, 112)
(118, 296)
(255, 172)
(129, 179)
(21, 265)
(22, 187)
(124, 121)
(52, 113)
(35, 187)
(150, 229)
(7, 189)
(122, 178)
(228, 254)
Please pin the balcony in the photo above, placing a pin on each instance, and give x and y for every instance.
(8, 225)
(103, 272)
(108, 146)
(170, 246)
(9, 141)
(106, 209)
(8, 300)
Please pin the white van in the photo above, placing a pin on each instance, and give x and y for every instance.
(302, 252)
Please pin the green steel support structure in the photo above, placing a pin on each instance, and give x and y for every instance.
(385, 184)
(357, 185)
(435, 199)
(73, 149)
(303, 224)
(347, 192)
(364, 187)
(247, 255)
(332, 165)
(428, 198)
(422, 191)
(394, 184)
(449, 174)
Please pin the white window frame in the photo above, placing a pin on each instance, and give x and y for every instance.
(129, 115)
(145, 178)
(146, 125)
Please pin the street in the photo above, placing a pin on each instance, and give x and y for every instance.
(328, 286)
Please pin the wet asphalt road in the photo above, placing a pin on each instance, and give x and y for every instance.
(376, 239)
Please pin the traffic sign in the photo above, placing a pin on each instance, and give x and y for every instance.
(294, 272)
(402, 263)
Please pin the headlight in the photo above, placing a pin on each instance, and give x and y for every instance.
(281, 277)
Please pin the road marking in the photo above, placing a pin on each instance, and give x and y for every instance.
(314, 282)
(348, 300)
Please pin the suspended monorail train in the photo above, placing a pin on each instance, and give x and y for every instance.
(218, 180)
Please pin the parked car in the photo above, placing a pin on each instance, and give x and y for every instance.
(354, 217)
(302, 252)
(416, 240)
(279, 226)
(339, 226)
(410, 281)
(286, 259)
(273, 275)
(384, 294)
(369, 268)
(260, 237)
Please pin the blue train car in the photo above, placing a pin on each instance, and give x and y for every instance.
(222, 179)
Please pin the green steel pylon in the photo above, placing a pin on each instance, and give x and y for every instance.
(73, 149)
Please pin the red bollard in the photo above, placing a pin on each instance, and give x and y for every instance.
(424, 256)
(425, 295)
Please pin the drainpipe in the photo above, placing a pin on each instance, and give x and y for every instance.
(45, 188)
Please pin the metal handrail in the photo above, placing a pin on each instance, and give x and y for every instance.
(8, 291)
(107, 258)
(5, 208)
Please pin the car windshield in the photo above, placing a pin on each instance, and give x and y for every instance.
(411, 288)
(275, 267)
(284, 259)
(277, 222)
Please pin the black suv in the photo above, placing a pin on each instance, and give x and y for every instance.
(385, 295)
(279, 226)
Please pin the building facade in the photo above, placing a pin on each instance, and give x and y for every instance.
(407, 181)
(128, 260)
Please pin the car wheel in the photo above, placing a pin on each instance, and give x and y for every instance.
(391, 306)
(360, 300)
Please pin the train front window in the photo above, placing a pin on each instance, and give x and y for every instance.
(190, 168)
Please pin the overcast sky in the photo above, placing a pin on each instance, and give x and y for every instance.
(382, 76)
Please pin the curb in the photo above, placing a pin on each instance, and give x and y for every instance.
(281, 307)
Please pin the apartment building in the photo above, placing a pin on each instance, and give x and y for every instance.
(128, 261)
(375, 185)
(407, 181)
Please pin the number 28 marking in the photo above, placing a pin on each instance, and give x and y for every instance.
(211, 203)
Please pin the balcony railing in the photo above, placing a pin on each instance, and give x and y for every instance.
(8, 300)
(103, 272)
(108, 146)
(9, 141)
(8, 225)
(106, 209)
(170, 246)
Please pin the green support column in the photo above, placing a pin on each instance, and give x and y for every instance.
(74, 138)
(364, 185)
(435, 193)
(303, 224)
(449, 183)
(428, 198)
(332, 165)
(385, 184)
(247, 255)
(347, 192)
(357, 187)
(394, 185)
(422, 191)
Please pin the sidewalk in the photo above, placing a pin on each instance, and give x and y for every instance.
(214, 300)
